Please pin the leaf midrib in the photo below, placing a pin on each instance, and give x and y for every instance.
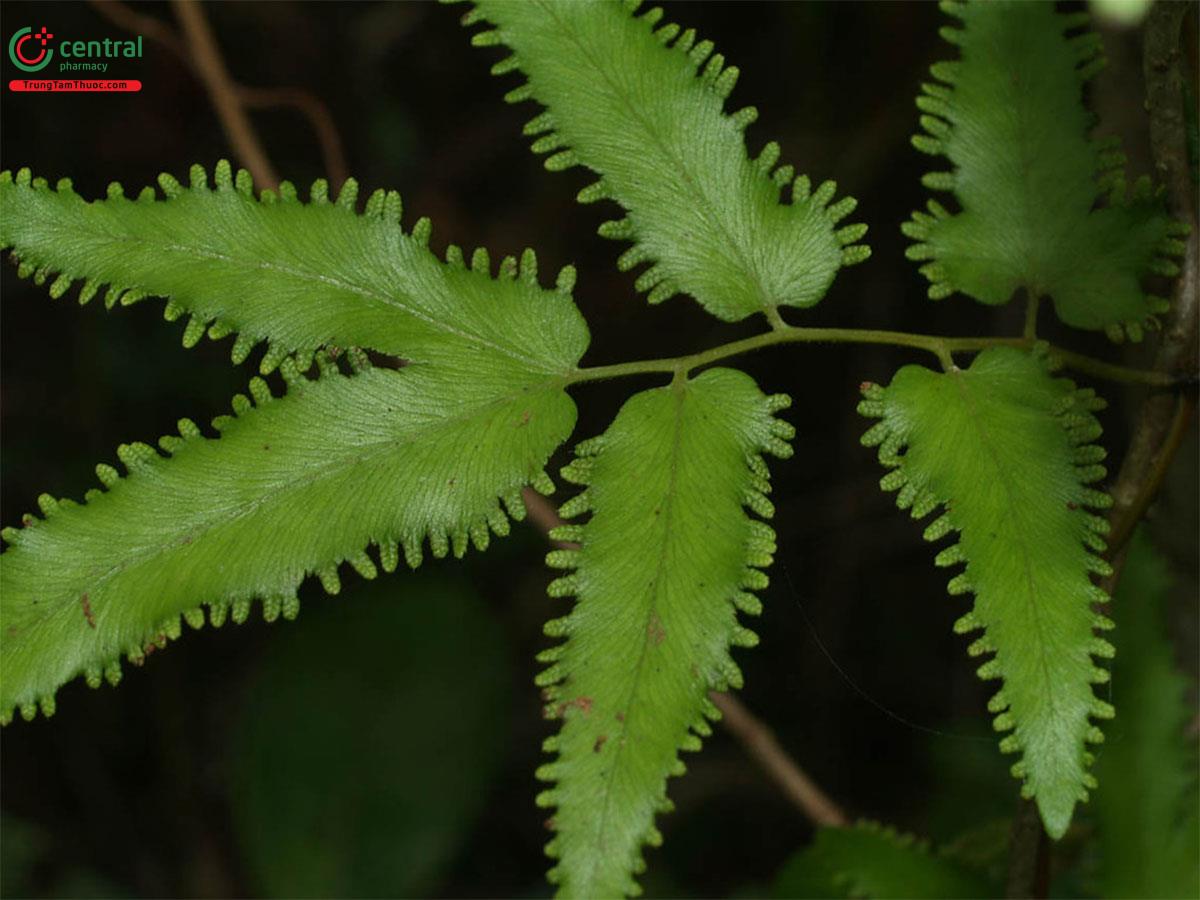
(979, 420)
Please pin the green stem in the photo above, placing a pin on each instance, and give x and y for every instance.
(942, 347)
(1098, 368)
(775, 319)
(1031, 314)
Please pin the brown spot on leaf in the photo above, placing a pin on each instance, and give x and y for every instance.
(600, 741)
(620, 717)
(86, 603)
(655, 630)
(551, 823)
(1072, 505)
(524, 418)
(584, 704)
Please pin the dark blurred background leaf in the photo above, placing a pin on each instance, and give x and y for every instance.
(869, 860)
(1145, 808)
(367, 739)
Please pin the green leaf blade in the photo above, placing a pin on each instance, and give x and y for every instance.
(1004, 448)
(1010, 119)
(300, 276)
(293, 486)
(664, 559)
(645, 110)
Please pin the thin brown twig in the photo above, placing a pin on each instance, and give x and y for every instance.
(543, 515)
(761, 744)
(319, 117)
(223, 93)
(306, 103)
(1122, 529)
(128, 18)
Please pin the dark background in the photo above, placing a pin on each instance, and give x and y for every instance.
(319, 757)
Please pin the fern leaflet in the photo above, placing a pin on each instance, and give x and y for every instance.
(293, 486)
(666, 560)
(1009, 118)
(642, 106)
(300, 276)
(1006, 449)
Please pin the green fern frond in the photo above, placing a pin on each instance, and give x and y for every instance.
(642, 105)
(871, 860)
(298, 275)
(1010, 119)
(1007, 451)
(1145, 809)
(667, 559)
(293, 486)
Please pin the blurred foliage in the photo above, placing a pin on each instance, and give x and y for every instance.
(1146, 807)
(869, 860)
(368, 737)
(26, 852)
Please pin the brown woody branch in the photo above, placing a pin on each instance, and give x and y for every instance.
(1164, 416)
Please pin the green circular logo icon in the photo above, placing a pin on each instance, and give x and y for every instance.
(28, 51)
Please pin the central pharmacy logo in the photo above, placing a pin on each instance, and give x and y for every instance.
(28, 51)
